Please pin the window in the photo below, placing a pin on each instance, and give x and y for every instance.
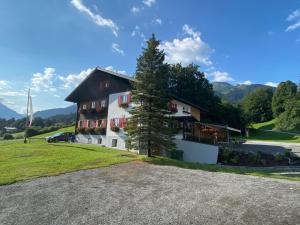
(89, 140)
(106, 84)
(99, 141)
(103, 103)
(80, 123)
(93, 104)
(88, 123)
(114, 142)
(84, 106)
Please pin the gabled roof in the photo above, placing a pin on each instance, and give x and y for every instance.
(129, 78)
(102, 70)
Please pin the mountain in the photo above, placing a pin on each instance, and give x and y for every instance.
(235, 93)
(7, 113)
(56, 111)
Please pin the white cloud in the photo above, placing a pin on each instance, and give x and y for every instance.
(111, 68)
(116, 48)
(72, 80)
(218, 76)
(136, 10)
(149, 3)
(98, 19)
(4, 84)
(13, 93)
(187, 50)
(294, 18)
(43, 81)
(293, 15)
(272, 84)
(158, 21)
(246, 82)
(293, 27)
(137, 32)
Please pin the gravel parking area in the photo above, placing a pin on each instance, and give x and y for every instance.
(140, 193)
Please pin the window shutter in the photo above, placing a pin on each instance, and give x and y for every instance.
(111, 123)
(128, 98)
(104, 121)
(119, 100)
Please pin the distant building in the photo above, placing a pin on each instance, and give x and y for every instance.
(10, 129)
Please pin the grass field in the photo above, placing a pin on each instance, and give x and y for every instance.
(19, 161)
(256, 134)
(269, 125)
(65, 129)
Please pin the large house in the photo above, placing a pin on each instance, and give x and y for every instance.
(103, 105)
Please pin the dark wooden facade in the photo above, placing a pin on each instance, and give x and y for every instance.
(96, 87)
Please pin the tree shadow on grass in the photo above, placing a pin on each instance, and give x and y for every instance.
(78, 147)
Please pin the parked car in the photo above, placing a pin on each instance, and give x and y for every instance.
(61, 136)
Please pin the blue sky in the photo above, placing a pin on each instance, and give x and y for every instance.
(51, 45)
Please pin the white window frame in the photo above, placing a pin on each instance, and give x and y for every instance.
(93, 106)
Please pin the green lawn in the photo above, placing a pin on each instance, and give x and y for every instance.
(256, 134)
(262, 172)
(65, 129)
(269, 125)
(19, 161)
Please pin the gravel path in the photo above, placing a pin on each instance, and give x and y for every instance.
(140, 193)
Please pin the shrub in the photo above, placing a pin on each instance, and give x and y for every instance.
(288, 153)
(278, 157)
(29, 132)
(99, 130)
(257, 157)
(81, 130)
(225, 154)
(89, 130)
(235, 159)
(8, 137)
(115, 129)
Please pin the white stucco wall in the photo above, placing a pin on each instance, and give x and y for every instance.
(115, 111)
(91, 139)
(180, 107)
(198, 152)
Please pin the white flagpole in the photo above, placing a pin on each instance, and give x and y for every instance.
(26, 123)
(30, 111)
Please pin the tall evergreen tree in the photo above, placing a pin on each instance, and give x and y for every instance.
(148, 127)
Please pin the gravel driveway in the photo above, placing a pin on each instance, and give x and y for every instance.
(140, 193)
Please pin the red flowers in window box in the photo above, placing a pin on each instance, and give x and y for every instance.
(117, 123)
(124, 100)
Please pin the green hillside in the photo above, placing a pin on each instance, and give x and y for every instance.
(235, 93)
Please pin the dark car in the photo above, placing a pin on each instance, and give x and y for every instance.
(61, 136)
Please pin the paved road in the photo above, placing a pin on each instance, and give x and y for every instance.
(271, 147)
(140, 193)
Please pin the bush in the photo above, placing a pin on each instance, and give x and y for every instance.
(225, 154)
(29, 132)
(115, 129)
(81, 130)
(89, 130)
(235, 159)
(278, 157)
(99, 130)
(8, 137)
(257, 158)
